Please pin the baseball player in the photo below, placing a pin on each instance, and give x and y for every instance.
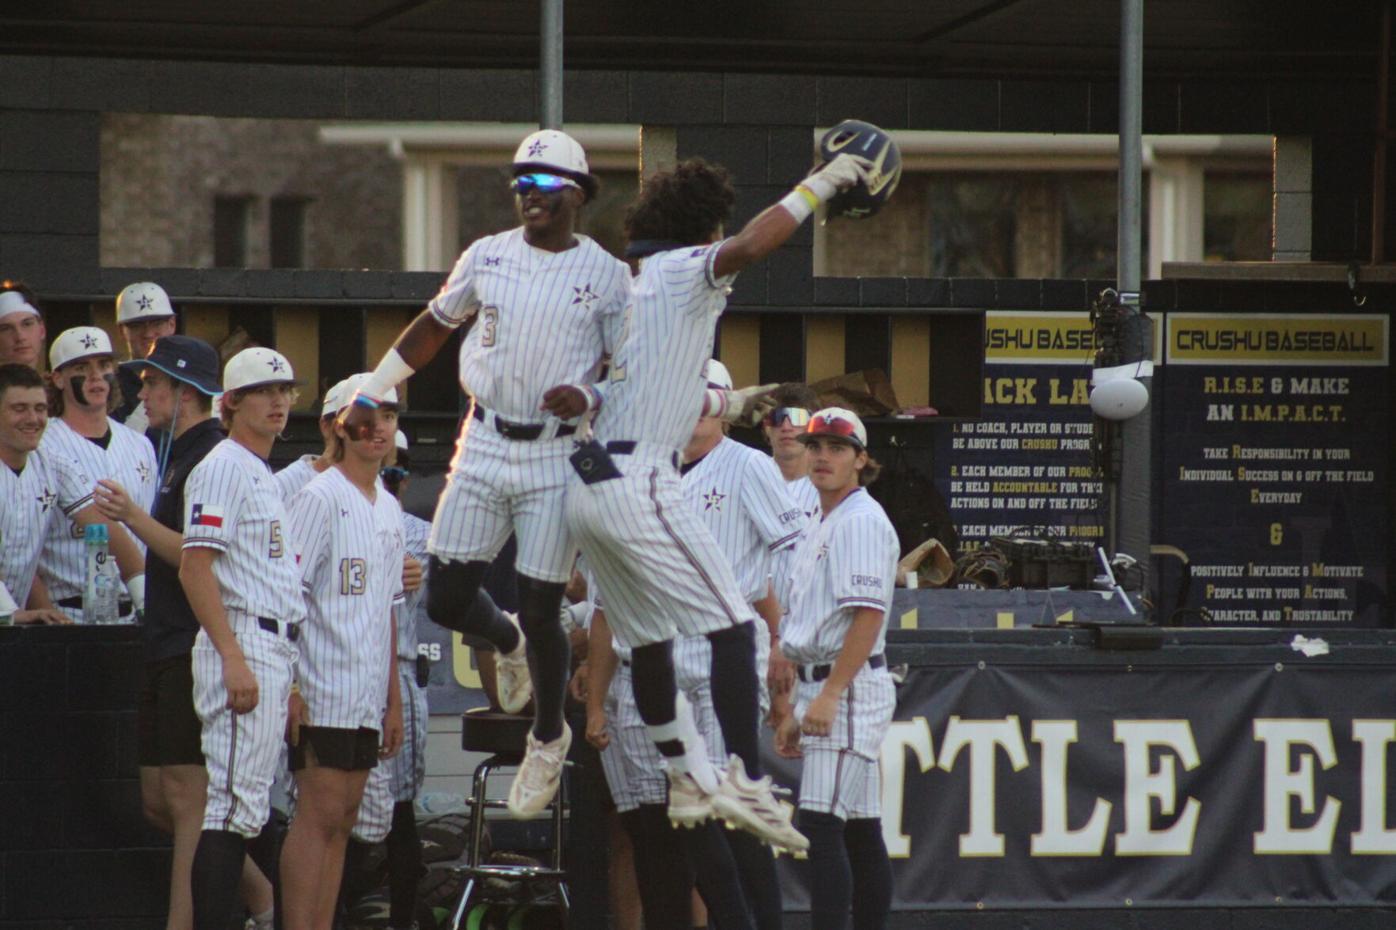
(658, 565)
(41, 492)
(238, 571)
(83, 381)
(386, 811)
(834, 629)
(179, 378)
(546, 307)
(739, 495)
(22, 331)
(144, 313)
(794, 402)
(347, 711)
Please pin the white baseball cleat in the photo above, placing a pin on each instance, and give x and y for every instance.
(535, 784)
(689, 804)
(514, 684)
(750, 805)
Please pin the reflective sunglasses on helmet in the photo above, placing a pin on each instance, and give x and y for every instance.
(547, 183)
(835, 426)
(797, 416)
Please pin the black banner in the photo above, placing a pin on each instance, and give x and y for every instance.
(1200, 784)
(1274, 465)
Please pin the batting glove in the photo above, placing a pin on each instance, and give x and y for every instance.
(842, 173)
(746, 407)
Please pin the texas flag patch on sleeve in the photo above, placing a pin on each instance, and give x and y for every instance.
(206, 515)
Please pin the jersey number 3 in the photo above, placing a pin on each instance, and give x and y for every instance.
(489, 326)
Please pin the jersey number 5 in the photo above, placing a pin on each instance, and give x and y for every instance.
(489, 326)
(352, 576)
(275, 549)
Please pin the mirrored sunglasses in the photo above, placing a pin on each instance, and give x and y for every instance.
(394, 473)
(547, 183)
(796, 416)
(834, 426)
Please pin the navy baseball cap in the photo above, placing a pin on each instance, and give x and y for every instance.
(183, 358)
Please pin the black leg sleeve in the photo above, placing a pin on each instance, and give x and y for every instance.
(872, 873)
(214, 878)
(454, 584)
(549, 653)
(404, 865)
(830, 879)
(716, 874)
(736, 694)
(661, 868)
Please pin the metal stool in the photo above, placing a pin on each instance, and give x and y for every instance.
(502, 735)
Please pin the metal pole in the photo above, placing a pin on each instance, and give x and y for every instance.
(550, 66)
(1136, 474)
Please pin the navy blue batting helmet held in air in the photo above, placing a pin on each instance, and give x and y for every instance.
(868, 141)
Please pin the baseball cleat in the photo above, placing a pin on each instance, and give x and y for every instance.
(750, 805)
(514, 684)
(689, 804)
(535, 784)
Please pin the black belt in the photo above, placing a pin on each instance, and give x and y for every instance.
(625, 663)
(275, 627)
(123, 607)
(627, 447)
(821, 672)
(521, 431)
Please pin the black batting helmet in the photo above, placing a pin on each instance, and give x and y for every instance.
(864, 139)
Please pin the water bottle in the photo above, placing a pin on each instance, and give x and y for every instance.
(99, 598)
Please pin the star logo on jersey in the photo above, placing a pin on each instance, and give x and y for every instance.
(491, 261)
(88, 341)
(46, 499)
(585, 296)
(823, 551)
(144, 302)
(143, 471)
(343, 512)
(275, 365)
(537, 148)
(713, 500)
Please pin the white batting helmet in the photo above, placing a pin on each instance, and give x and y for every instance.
(340, 396)
(718, 375)
(144, 300)
(556, 152)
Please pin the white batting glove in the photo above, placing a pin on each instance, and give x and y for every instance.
(746, 407)
(843, 172)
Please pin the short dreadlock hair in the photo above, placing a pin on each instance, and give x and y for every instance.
(685, 204)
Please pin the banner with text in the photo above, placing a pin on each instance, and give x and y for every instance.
(1274, 465)
(1013, 786)
(1025, 467)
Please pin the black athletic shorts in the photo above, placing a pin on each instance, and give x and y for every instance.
(167, 729)
(335, 748)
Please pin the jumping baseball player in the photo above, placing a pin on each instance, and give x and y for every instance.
(546, 307)
(386, 811)
(658, 565)
(835, 629)
(179, 378)
(22, 331)
(347, 712)
(238, 571)
(83, 379)
(144, 314)
(41, 493)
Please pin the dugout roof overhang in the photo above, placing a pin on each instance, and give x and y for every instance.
(1029, 38)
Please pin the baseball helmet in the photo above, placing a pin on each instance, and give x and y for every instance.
(555, 152)
(718, 376)
(144, 300)
(864, 139)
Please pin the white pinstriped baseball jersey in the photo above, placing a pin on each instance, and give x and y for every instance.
(350, 555)
(656, 386)
(545, 318)
(415, 532)
(295, 476)
(805, 495)
(232, 505)
(846, 561)
(741, 496)
(128, 460)
(40, 499)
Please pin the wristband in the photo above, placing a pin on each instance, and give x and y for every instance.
(391, 371)
(799, 203)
